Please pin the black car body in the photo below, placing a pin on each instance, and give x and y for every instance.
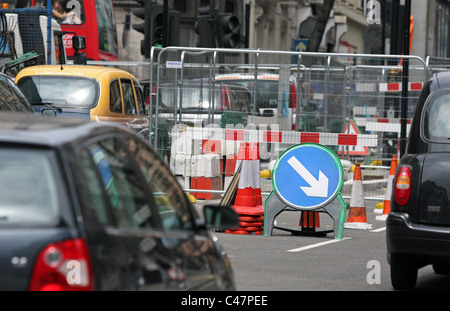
(418, 225)
(89, 206)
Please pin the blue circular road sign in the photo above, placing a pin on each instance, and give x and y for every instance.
(307, 176)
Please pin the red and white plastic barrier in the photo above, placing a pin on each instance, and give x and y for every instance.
(226, 141)
(198, 154)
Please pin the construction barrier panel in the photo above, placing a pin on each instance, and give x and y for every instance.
(356, 104)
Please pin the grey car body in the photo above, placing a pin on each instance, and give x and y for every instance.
(199, 102)
(90, 206)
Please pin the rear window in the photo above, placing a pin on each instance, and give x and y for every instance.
(61, 91)
(29, 188)
(436, 118)
(194, 98)
(191, 97)
(266, 91)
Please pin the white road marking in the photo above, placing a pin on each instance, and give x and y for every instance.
(379, 229)
(300, 249)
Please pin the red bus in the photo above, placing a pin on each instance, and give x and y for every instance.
(96, 22)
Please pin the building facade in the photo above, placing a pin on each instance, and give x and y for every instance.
(354, 26)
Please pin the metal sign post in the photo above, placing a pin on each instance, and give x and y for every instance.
(307, 177)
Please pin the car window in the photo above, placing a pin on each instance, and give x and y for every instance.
(62, 91)
(124, 190)
(240, 100)
(11, 97)
(191, 97)
(128, 97)
(170, 198)
(140, 98)
(22, 102)
(29, 188)
(437, 116)
(95, 188)
(115, 99)
(7, 99)
(267, 91)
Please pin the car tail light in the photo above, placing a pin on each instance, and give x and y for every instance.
(402, 186)
(63, 266)
(225, 99)
(152, 92)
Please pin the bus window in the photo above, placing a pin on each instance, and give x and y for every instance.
(107, 36)
(97, 24)
(77, 7)
(68, 6)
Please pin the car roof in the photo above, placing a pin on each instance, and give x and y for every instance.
(443, 79)
(247, 76)
(206, 83)
(50, 131)
(74, 70)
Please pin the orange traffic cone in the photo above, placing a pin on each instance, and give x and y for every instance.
(245, 203)
(309, 220)
(387, 197)
(357, 218)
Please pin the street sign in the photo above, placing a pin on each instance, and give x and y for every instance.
(352, 128)
(300, 45)
(307, 176)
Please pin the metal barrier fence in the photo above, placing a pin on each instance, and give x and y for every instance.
(25, 38)
(319, 92)
(205, 102)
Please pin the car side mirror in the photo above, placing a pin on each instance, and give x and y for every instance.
(78, 43)
(220, 217)
(48, 112)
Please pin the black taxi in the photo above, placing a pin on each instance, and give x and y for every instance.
(418, 225)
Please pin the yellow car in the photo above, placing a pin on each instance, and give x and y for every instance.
(94, 92)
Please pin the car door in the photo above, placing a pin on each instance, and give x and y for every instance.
(132, 113)
(197, 258)
(107, 249)
(159, 246)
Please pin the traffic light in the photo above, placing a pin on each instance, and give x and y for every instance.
(205, 30)
(153, 26)
(157, 17)
(227, 30)
(174, 28)
(144, 13)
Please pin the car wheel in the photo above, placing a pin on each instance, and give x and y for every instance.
(441, 268)
(404, 270)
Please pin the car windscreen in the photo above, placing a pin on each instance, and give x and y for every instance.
(61, 91)
(266, 91)
(29, 188)
(191, 97)
(436, 125)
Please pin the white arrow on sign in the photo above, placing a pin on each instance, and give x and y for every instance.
(318, 188)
